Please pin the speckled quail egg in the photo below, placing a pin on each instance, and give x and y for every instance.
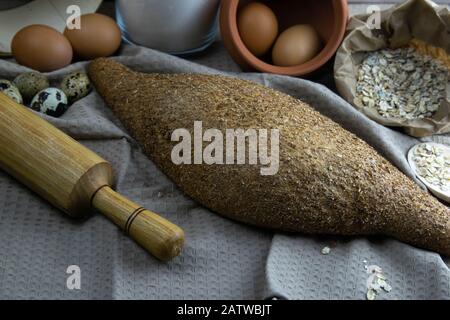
(30, 83)
(51, 101)
(76, 85)
(11, 90)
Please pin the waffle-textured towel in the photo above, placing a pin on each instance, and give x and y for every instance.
(222, 258)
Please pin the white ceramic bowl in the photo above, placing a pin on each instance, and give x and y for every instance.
(433, 189)
(173, 26)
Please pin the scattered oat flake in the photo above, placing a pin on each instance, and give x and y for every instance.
(371, 294)
(376, 282)
(326, 250)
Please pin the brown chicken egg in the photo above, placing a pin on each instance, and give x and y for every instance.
(258, 27)
(296, 45)
(41, 48)
(99, 36)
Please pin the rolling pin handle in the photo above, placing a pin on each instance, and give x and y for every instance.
(157, 235)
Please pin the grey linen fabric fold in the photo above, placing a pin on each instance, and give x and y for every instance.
(222, 259)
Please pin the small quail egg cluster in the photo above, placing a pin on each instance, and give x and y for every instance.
(34, 88)
(51, 101)
(76, 85)
(10, 90)
(30, 83)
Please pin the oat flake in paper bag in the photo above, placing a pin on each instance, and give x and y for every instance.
(413, 19)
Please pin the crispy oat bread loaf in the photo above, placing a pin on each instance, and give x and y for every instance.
(329, 181)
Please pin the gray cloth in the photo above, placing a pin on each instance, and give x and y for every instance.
(222, 259)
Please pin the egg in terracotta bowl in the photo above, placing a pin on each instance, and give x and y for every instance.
(258, 27)
(309, 34)
(296, 45)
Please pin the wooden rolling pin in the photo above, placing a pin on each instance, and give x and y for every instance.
(75, 179)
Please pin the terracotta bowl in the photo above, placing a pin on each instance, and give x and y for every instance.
(329, 17)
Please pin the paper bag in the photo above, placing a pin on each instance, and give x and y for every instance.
(414, 19)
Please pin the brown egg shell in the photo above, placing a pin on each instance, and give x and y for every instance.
(296, 45)
(258, 27)
(99, 36)
(41, 48)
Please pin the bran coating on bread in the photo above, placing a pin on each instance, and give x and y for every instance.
(329, 181)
